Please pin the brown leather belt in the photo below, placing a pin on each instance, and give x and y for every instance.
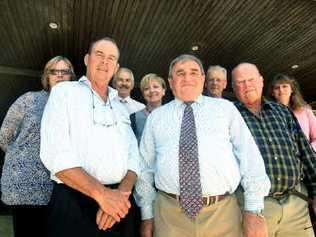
(207, 201)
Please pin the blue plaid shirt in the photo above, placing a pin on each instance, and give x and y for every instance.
(287, 154)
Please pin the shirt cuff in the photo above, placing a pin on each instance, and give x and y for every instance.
(253, 203)
(147, 212)
(133, 166)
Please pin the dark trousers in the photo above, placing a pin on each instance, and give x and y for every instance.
(72, 213)
(29, 220)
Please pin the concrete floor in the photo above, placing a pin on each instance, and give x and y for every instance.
(6, 229)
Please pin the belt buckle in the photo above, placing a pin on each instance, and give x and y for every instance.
(211, 200)
(278, 195)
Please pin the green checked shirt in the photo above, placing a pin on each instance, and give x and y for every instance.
(287, 154)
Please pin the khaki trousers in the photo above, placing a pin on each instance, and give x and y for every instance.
(289, 217)
(222, 219)
(286, 218)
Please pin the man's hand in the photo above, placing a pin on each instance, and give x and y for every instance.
(104, 221)
(254, 226)
(114, 203)
(146, 228)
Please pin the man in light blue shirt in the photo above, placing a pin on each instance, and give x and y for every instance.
(227, 156)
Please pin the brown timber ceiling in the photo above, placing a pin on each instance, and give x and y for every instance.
(274, 34)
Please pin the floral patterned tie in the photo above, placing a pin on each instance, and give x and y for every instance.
(189, 171)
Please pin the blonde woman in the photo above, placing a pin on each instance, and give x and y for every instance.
(25, 182)
(285, 90)
(153, 89)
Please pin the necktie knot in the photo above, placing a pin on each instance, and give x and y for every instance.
(189, 103)
(123, 101)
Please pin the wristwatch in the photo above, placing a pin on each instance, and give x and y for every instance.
(259, 213)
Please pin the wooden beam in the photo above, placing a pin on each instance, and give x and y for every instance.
(18, 71)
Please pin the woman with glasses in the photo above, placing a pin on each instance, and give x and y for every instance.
(25, 182)
(285, 90)
(153, 89)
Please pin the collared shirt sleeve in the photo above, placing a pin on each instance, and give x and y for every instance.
(307, 155)
(133, 153)
(12, 121)
(56, 145)
(312, 127)
(145, 193)
(254, 179)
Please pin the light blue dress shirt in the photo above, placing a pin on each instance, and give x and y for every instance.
(228, 154)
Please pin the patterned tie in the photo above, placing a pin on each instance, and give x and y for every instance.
(189, 171)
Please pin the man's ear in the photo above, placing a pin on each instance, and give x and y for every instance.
(170, 83)
(117, 68)
(86, 59)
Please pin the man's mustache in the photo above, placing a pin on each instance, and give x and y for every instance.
(124, 87)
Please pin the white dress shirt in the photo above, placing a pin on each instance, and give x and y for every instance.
(228, 153)
(80, 130)
(130, 104)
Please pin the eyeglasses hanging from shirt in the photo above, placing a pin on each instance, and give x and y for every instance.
(102, 112)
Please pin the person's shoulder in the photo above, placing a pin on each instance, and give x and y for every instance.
(277, 106)
(308, 111)
(162, 112)
(218, 103)
(27, 97)
(67, 87)
(164, 108)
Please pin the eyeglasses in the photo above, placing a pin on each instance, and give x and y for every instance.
(103, 114)
(62, 72)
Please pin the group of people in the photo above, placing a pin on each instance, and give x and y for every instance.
(85, 159)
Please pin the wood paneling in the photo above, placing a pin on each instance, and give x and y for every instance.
(274, 34)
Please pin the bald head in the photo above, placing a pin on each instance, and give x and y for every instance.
(242, 67)
(247, 83)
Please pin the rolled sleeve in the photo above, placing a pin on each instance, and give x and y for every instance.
(133, 154)
(56, 147)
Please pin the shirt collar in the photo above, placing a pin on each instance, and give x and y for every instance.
(86, 81)
(198, 101)
(265, 104)
(128, 99)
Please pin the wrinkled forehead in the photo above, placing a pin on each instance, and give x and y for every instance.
(245, 71)
(106, 47)
(122, 74)
(216, 74)
(187, 64)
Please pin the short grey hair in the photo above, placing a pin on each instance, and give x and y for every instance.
(126, 70)
(185, 57)
(216, 68)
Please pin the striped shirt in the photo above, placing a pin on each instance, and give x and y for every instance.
(287, 154)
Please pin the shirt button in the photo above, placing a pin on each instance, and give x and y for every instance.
(275, 157)
(279, 179)
(270, 139)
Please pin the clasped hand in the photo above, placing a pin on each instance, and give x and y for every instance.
(114, 206)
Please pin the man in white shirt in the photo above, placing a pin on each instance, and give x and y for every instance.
(123, 81)
(216, 81)
(91, 152)
(219, 154)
